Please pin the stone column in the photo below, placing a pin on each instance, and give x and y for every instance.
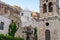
(42, 34)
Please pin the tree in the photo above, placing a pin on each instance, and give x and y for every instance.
(17, 7)
(12, 29)
(35, 34)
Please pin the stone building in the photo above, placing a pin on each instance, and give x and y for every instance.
(49, 21)
(10, 13)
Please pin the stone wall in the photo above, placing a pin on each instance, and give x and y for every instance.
(53, 27)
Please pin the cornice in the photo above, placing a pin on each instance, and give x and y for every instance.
(49, 18)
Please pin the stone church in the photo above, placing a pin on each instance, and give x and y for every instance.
(49, 21)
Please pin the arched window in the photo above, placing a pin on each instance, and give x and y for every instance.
(44, 8)
(22, 14)
(1, 25)
(47, 35)
(50, 7)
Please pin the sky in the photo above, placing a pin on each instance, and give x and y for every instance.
(32, 5)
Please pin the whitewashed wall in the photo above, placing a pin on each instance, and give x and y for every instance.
(6, 24)
(27, 15)
(26, 18)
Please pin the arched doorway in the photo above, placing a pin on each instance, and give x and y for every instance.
(47, 35)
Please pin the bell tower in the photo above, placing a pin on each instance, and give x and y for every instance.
(49, 21)
(49, 8)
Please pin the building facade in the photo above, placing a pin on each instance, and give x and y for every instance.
(49, 28)
(26, 17)
(4, 25)
(9, 13)
(28, 20)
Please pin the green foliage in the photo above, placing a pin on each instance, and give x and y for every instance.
(5, 37)
(12, 29)
(35, 34)
(19, 38)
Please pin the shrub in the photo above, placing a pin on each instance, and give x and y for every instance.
(7, 37)
(35, 34)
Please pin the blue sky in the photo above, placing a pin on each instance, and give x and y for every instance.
(29, 4)
(32, 5)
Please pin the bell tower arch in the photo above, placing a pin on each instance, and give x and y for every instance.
(49, 8)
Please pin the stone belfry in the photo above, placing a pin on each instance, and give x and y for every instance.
(49, 28)
(48, 8)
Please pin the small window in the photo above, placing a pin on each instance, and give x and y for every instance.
(44, 8)
(31, 14)
(1, 25)
(47, 24)
(12, 21)
(22, 14)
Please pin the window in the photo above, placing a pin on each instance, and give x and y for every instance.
(5, 10)
(22, 14)
(31, 14)
(47, 35)
(47, 24)
(1, 25)
(44, 8)
(12, 21)
(50, 7)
